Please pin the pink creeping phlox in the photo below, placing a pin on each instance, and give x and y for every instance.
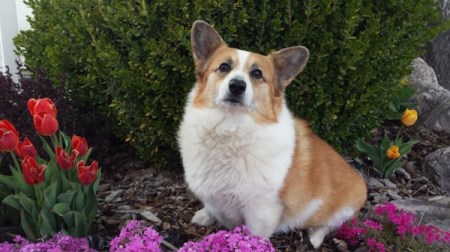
(375, 245)
(354, 231)
(239, 239)
(136, 237)
(58, 243)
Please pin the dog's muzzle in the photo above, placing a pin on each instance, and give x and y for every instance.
(236, 88)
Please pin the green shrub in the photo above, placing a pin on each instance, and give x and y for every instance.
(132, 60)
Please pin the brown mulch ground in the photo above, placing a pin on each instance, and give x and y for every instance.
(131, 190)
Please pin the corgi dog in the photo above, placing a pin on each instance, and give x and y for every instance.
(247, 158)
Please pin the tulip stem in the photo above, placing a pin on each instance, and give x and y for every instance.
(399, 133)
(16, 163)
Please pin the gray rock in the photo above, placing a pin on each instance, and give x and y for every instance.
(374, 184)
(402, 172)
(445, 4)
(378, 198)
(426, 212)
(388, 183)
(393, 195)
(436, 166)
(433, 101)
(438, 57)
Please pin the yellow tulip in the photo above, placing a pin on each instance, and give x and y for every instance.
(409, 117)
(393, 152)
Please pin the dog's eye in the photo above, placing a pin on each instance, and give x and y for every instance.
(225, 67)
(257, 74)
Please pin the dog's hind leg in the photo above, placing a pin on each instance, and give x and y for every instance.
(318, 234)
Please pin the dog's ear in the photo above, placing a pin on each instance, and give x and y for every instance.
(205, 41)
(288, 63)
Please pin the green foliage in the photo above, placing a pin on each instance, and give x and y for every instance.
(59, 204)
(132, 60)
(399, 103)
(378, 154)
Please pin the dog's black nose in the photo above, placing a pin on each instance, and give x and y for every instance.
(236, 86)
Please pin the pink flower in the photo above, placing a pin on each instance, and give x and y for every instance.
(373, 225)
(375, 245)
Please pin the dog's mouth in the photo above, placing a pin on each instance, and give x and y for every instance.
(234, 101)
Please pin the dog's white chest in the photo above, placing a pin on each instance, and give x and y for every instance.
(231, 162)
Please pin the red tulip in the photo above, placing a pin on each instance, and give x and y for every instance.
(80, 144)
(45, 124)
(87, 174)
(45, 105)
(9, 137)
(26, 148)
(64, 160)
(32, 172)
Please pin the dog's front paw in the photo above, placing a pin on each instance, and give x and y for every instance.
(203, 218)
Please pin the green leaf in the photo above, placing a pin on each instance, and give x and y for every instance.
(28, 226)
(392, 166)
(21, 184)
(66, 140)
(12, 201)
(50, 195)
(81, 227)
(8, 181)
(385, 143)
(27, 204)
(371, 150)
(407, 147)
(69, 219)
(66, 197)
(79, 201)
(61, 209)
(48, 227)
(47, 148)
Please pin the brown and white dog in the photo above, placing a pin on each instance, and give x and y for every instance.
(247, 158)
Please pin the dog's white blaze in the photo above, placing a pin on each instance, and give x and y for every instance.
(237, 73)
(243, 57)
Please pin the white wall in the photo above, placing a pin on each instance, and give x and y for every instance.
(12, 19)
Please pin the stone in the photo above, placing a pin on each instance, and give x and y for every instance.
(436, 166)
(388, 183)
(403, 173)
(427, 212)
(445, 4)
(438, 57)
(393, 195)
(433, 101)
(374, 184)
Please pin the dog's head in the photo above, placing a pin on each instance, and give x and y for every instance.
(241, 81)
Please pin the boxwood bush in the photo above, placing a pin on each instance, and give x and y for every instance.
(132, 60)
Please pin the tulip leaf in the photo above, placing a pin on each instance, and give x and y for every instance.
(81, 228)
(366, 148)
(79, 201)
(69, 219)
(12, 201)
(22, 186)
(8, 181)
(48, 149)
(66, 197)
(26, 203)
(26, 223)
(61, 209)
(407, 147)
(66, 140)
(50, 195)
(385, 142)
(49, 222)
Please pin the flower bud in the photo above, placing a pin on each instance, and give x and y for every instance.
(409, 117)
(393, 152)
